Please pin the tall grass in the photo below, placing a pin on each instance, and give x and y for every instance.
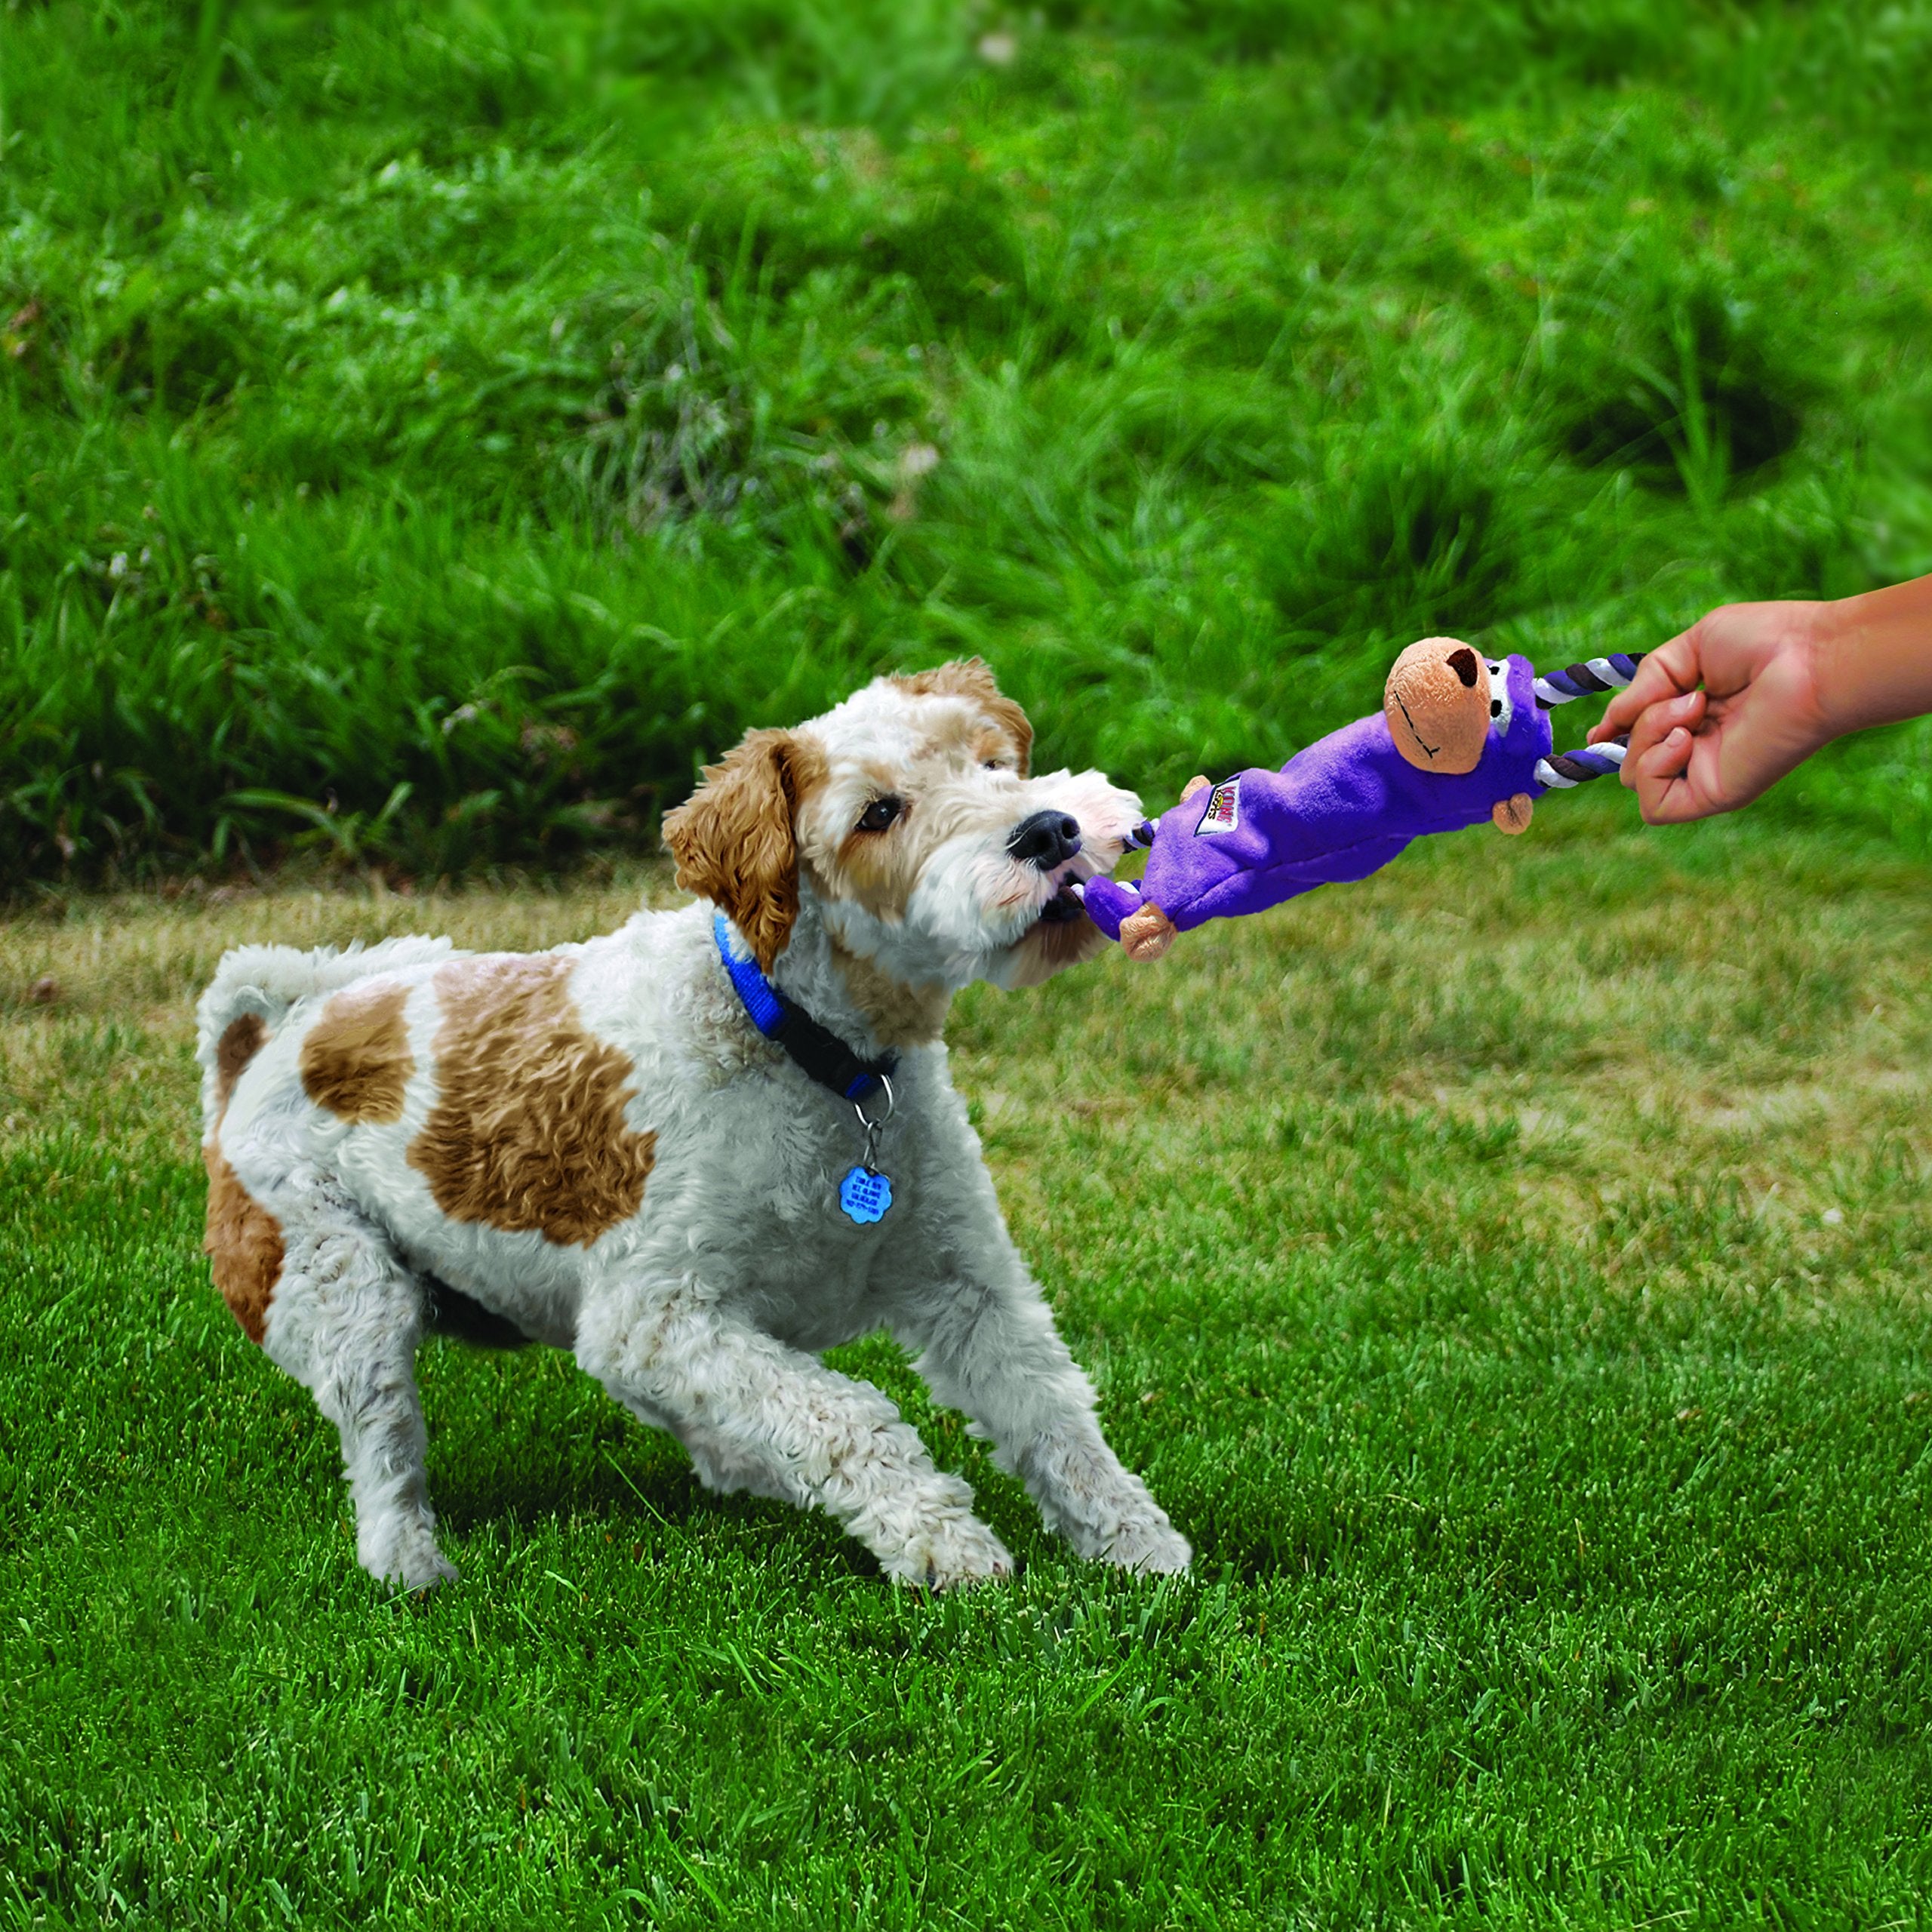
(430, 430)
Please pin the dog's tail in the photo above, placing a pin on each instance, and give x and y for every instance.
(255, 987)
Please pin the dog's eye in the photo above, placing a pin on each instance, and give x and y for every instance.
(880, 813)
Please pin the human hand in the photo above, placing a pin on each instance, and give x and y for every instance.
(1721, 712)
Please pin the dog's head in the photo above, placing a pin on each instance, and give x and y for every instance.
(908, 819)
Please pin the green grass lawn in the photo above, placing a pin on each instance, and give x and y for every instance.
(1511, 1272)
(430, 428)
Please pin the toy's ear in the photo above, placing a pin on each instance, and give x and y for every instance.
(735, 839)
(1437, 703)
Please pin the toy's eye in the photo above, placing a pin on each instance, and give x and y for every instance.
(880, 813)
(1496, 707)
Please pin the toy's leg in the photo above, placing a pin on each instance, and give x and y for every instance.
(1147, 933)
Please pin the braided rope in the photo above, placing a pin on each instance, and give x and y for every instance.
(1568, 769)
(1591, 679)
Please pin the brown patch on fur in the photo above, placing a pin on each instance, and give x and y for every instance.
(735, 840)
(243, 1243)
(991, 742)
(527, 1134)
(900, 1016)
(1512, 814)
(1053, 945)
(241, 1040)
(878, 869)
(242, 1240)
(355, 1060)
(970, 677)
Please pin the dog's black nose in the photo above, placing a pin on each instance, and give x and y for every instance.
(1046, 840)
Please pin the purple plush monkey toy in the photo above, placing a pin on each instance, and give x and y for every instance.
(1460, 738)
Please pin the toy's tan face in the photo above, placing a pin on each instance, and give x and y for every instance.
(1437, 702)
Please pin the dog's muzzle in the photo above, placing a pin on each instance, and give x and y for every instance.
(1046, 840)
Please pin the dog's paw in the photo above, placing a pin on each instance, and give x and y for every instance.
(410, 1561)
(954, 1554)
(1150, 1547)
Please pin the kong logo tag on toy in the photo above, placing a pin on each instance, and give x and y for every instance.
(1223, 811)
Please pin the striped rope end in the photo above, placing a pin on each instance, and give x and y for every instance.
(1571, 768)
(1591, 679)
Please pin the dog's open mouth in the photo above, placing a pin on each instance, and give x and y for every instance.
(1063, 908)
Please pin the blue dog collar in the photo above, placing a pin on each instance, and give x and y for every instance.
(817, 1049)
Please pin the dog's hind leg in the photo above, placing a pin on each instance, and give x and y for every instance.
(760, 1416)
(345, 1321)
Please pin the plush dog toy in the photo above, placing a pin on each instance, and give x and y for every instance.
(1459, 738)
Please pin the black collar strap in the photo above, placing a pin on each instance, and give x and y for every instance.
(817, 1049)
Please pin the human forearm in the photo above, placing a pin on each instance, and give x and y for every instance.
(1873, 656)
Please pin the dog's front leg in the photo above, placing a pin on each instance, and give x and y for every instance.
(991, 1349)
(758, 1415)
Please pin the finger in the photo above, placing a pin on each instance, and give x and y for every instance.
(1685, 713)
(1671, 668)
(1668, 758)
(1664, 793)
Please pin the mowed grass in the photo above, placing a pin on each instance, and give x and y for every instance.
(432, 429)
(1511, 1272)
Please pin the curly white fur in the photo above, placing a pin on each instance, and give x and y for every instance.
(703, 1312)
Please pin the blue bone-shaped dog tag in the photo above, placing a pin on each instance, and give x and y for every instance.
(864, 1197)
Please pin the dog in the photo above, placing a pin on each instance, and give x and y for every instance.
(699, 1150)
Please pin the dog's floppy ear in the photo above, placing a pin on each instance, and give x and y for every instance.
(973, 677)
(735, 839)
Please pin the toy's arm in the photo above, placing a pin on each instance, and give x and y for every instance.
(1125, 911)
(1453, 745)
(1263, 837)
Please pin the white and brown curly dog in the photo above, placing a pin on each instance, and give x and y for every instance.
(651, 1149)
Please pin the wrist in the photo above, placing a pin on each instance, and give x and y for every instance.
(1871, 656)
(1825, 649)
(1802, 671)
